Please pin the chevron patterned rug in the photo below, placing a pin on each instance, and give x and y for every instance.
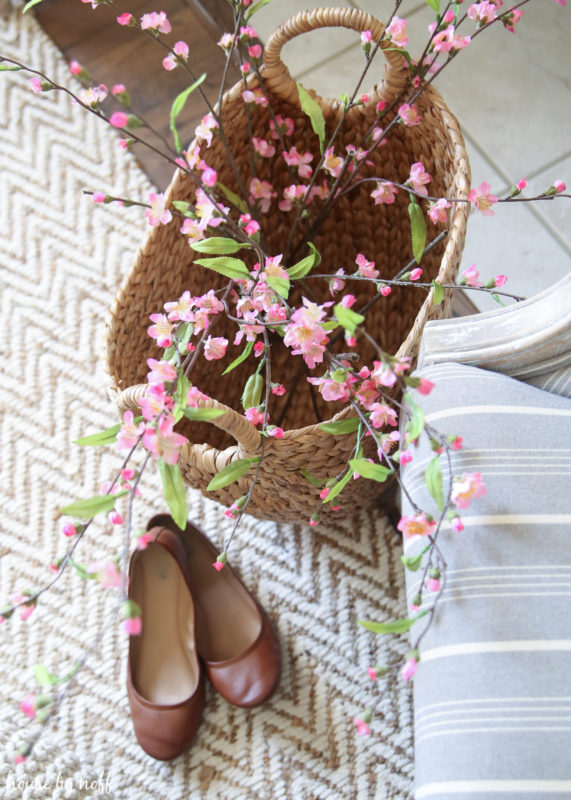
(61, 260)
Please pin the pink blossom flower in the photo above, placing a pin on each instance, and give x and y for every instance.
(163, 442)
(331, 390)
(457, 525)
(115, 518)
(156, 21)
(129, 433)
(28, 705)
(284, 126)
(409, 669)
(157, 214)
(397, 32)
(254, 415)
(405, 457)
(251, 226)
(384, 193)
(133, 626)
(180, 51)
(256, 96)
(366, 268)
(225, 41)
(511, 18)
(561, 3)
(106, 572)
(332, 163)
(68, 529)
(425, 386)
(209, 175)
(263, 192)
(161, 371)
(415, 274)
(263, 148)
(128, 474)
(482, 12)
(276, 432)
(457, 443)
(418, 178)
(468, 487)
(35, 85)
(382, 415)
(215, 348)
(362, 727)
(161, 330)
(125, 19)
(206, 129)
(293, 194)
(94, 95)
(383, 375)
(470, 277)
(279, 390)
(483, 199)
(437, 210)
(295, 159)
(416, 525)
(305, 334)
(409, 115)
(155, 401)
(119, 119)
(144, 540)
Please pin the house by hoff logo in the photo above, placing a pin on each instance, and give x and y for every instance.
(100, 785)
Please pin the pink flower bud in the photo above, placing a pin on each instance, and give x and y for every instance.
(255, 51)
(425, 386)
(99, 197)
(218, 565)
(415, 274)
(324, 493)
(36, 85)
(119, 88)
(433, 584)
(372, 673)
(521, 184)
(365, 99)
(457, 525)
(119, 119)
(405, 457)
(409, 669)
(381, 105)
(69, 530)
(348, 301)
(386, 290)
(350, 341)
(500, 280)
(366, 37)
(125, 19)
(75, 67)
(259, 348)
(276, 432)
(560, 186)
(115, 518)
(133, 626)
(28, 706)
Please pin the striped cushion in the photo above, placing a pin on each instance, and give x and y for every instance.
(493, 687)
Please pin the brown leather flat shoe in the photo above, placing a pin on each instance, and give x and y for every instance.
(165, 684)
(235, 637)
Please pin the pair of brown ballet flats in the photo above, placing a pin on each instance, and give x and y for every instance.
(196, 620)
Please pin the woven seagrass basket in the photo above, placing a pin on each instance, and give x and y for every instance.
(164, 269)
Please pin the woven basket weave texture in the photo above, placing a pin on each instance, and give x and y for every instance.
(164, 269)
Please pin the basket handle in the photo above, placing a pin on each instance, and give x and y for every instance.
(247, 436)
(278, 78)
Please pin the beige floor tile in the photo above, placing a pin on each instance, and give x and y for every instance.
(555, 213)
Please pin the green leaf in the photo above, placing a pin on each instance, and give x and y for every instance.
(30, 4)
(5, 67)
(232, 197)
(241, 358)
(184, 208)
(311, 479)
(498, 300)
(339, 486)
(347, 318)
(438, 295)
(203, 414)
(182, 387)
(87, 509)
(414, 563)
(434, 5)
(174, 492)
(313, 110)
(415, 425)
(81, 571)
(404, 53)
(433, 479)
(183, 334)
(231, 267)
(279, 285)
(231, 472)
(397, 626)
(44, 677)
(340, 427)
(375, 472)
(304, 267)
(418, 230)
(103, 437)
(176, 108)
(252, 393)
(218, 245)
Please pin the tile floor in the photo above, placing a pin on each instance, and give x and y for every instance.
(512, 96)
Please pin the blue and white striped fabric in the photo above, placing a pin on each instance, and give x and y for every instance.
(493, 687)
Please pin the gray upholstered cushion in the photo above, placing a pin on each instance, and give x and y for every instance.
(493, 687)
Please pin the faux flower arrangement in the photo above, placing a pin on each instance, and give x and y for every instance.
(268, 294)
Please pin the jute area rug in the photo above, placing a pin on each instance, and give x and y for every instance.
(61, 260)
